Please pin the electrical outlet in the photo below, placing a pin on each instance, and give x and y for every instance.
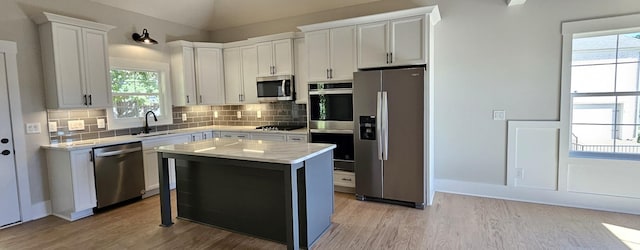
(259, 114)
(75, 125)
(184, 117)
(215, 114)
(499, 115)
(53, 127)
(239, 114)
(101, 123)
(520, 173)
(33, 128)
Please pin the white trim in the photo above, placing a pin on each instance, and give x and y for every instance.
(431, 10)
(10, 50)
(607, 24)
(165, 91)
(274, 37)
(568, 199)
(40, 210)
(50, 17)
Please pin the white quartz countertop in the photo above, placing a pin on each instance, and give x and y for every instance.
(250, 150)
(88, 144)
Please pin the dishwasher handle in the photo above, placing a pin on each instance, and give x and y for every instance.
(119, 152)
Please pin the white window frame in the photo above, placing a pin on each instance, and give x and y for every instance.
(165, 92)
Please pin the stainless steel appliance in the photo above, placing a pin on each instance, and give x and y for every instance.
(275, 88)
(389, 135)
(331, 119)
(119, 173)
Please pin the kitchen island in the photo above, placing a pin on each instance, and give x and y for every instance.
(273, 190)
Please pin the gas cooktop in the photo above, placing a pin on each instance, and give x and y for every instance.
(279, 127)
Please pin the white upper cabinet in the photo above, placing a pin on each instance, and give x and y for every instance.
(275, 58)
(197, 74)
(392, 43)
(331, 54)
(301, 78)
(240, 69)
(209, 75)
(76, 62)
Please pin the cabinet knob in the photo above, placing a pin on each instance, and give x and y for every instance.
(4, 140)
(346, 179)
(6, 152)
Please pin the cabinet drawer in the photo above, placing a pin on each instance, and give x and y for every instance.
(234, 135)
(268, 137)
(344, 179)
(297, 138)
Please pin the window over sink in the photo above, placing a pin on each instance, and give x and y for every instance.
(136, 88)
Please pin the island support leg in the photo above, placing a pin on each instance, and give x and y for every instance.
(165, 195)
(291, 208)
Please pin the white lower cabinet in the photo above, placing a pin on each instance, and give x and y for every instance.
(202, 136)
(71, 183)
(150, 158)
(237, 135)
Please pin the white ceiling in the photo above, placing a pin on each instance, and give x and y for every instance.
(221, 14)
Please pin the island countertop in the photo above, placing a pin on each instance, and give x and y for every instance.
(250, 150)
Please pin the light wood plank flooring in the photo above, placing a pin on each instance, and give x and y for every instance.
(453, 222)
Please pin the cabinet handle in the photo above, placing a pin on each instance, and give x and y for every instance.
(6, 152)
(387, 58)
(90, 100)
(200, 99)
(193, 138)
(327, 73)
(204, 136)
(91, 156)
(391, 57)
(331, 73)
(188, 101)
(85, 99)
(346, 179)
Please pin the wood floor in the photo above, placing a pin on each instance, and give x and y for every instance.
(453, 222)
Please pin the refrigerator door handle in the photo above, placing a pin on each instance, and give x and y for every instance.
(379, 124)
(385, 125)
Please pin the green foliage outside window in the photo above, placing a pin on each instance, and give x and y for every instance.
(135, 92)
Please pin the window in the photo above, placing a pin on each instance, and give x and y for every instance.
(136, 88)
(604, 83)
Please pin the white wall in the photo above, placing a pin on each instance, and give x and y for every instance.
(16, 25)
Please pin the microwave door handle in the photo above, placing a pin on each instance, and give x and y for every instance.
(284, 93)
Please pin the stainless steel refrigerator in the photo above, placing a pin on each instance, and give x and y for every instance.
(389, 139)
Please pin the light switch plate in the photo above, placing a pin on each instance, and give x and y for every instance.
(215, 114)
(184, 117)
(259, 114)
(75, 125)
(239, 114)
(499, 115)
(100, 123)
(53, 127)
(33, 128)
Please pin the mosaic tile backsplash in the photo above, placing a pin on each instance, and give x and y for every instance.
(280, 113)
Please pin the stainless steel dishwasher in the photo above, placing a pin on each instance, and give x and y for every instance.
(119, 173)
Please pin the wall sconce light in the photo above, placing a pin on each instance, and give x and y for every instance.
(144, 38)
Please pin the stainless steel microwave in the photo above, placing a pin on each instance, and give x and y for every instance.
(275, 88)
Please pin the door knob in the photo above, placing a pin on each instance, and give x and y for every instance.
(4, 140)
(6, 152)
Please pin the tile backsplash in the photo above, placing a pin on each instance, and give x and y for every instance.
(280, 113)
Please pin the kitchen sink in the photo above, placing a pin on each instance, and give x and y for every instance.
(154, 134)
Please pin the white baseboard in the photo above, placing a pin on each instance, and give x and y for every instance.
(40, 210)
(549, 197)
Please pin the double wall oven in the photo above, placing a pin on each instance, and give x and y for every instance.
(331, 119)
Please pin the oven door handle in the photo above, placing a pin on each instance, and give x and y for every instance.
(329, 92)
(331, 131)
(119, 152)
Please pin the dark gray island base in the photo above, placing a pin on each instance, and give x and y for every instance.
(289, 202)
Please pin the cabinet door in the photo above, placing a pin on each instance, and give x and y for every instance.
(343, 53)
(408, 41)
(97, 65)
(318, 54)
(69, 65)
(233, 76)
(249, 72)
(234, 135)
(301, 64)
(210, 76)
(373, 44)
(183, 76)
(283, 57)
(83, 182)
(150, 159)
(196, 136)
(265, 58)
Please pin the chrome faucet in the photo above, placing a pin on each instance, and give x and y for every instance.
(146, 128)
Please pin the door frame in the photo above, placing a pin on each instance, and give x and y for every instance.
(10, 49)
